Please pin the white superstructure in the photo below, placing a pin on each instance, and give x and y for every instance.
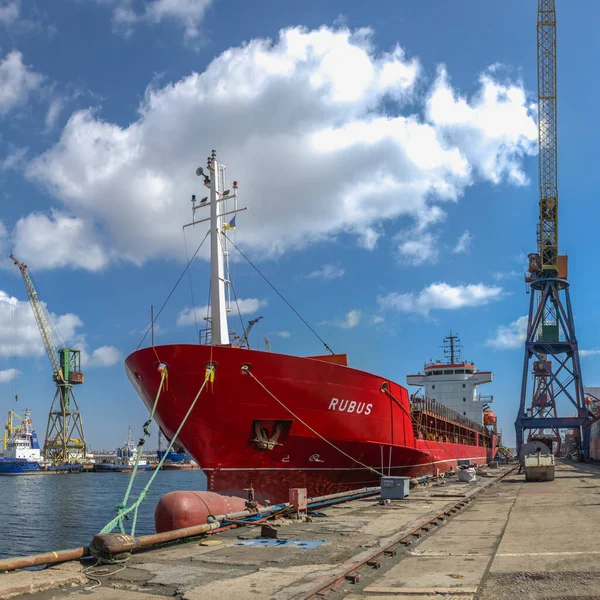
(23, 442)
(127, 454)
(454, 382)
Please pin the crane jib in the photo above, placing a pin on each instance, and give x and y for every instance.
(547, 137)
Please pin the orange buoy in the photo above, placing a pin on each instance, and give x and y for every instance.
(176, 510)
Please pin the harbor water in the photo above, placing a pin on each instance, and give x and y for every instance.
(41, 513)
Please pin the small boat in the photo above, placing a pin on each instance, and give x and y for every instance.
(176, 459)
(124, 460)
(22, 453)
(184, 465)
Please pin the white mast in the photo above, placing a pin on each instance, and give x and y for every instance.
(214, 181)
(219, 333)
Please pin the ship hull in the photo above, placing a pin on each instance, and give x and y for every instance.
(9, 467)
(294, 422)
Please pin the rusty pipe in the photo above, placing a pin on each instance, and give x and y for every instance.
(111, 545)
(47, 558)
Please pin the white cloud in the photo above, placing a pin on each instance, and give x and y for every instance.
(8, 375)
(54, 110)
(17, 24)
(104, 356)
(511, 336)
(158, 329)
(187, 13)
(20, 336)
(19, 333)
(15, 159)
(296, 106)
(327, 272)
(503, 275)
(377, 319)
(351, 319)
(494, 129)
(283, 334)
(441, 296)
(584, 353)
(58, 241)
(17, 81)
(463, 243)
(9, 12)
(247, 306)
(419, 249)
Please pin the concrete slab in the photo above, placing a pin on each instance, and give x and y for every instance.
(410, 596)
(548, 550)
(265, 583)
(31, 582)
(457, 545)
(430, 574)
(105, 593)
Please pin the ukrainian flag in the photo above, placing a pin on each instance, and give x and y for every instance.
(230, 225)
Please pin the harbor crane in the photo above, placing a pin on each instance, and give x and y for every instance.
(550, 341)
(65, 440)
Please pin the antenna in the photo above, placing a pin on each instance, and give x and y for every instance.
(452, 348)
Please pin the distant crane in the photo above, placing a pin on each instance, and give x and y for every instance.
(550, 325)
(10, 427)
(244, 339)
(65, 440)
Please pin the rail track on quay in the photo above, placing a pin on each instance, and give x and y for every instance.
(377, 559)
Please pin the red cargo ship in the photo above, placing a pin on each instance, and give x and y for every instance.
(276, 421)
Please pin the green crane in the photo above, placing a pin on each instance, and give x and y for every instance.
(65, 440)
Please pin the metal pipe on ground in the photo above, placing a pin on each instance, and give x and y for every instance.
(47, 558)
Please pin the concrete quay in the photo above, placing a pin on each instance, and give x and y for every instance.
(498, 538)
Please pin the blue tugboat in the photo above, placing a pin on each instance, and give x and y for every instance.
(22, 453)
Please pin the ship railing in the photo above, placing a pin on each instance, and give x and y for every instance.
(421, 403)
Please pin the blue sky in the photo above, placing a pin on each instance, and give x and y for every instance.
(387, 152)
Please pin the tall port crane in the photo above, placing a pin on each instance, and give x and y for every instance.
(65, 440)
(550, 339)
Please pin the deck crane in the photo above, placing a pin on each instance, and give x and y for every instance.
(550, 339)
(244, 338)
(65, 440)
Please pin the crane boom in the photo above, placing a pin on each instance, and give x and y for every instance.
(40, 318)
(251, 324)
(547, 130)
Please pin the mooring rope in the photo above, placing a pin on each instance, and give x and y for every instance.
(247, 370)
(122, 510)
